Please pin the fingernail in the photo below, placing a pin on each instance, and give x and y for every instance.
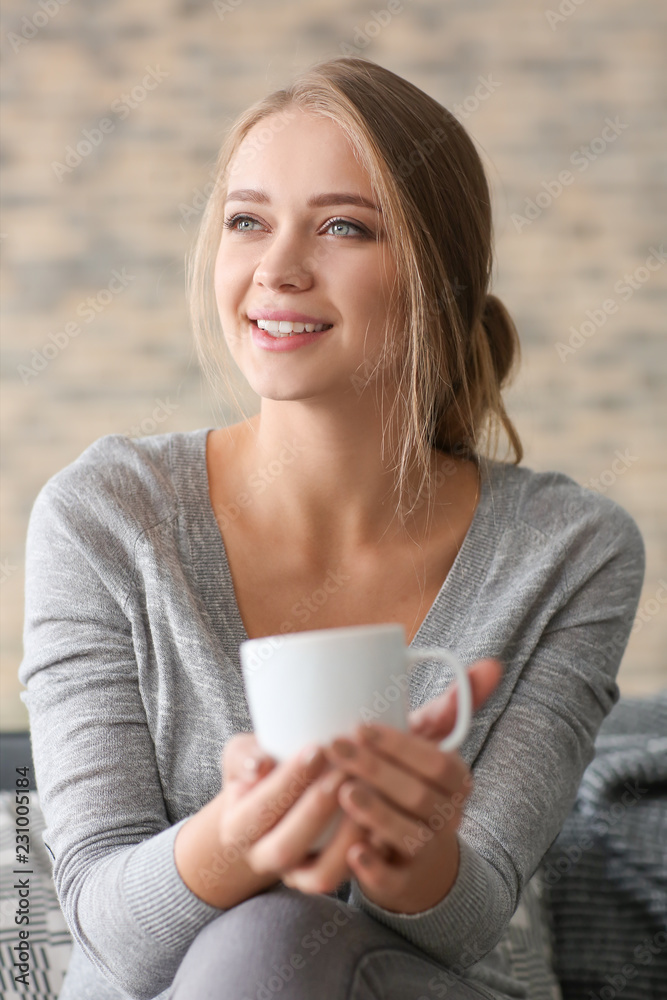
(253, 764)
(364, 859)
(423, 726)
(344, 747)
(360, 797)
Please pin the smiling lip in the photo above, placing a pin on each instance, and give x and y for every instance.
(287, 314)
(266, 342)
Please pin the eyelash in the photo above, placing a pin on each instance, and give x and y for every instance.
(230, 222)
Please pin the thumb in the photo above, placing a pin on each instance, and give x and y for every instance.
(244, 758)
(436, 719)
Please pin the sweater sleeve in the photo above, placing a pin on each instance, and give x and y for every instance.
(530, 766)
(107, 829)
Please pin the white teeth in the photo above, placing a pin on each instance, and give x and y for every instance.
(283, 328)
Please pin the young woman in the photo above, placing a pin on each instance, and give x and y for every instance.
(343, 261)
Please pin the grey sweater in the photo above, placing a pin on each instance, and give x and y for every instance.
(133, 681)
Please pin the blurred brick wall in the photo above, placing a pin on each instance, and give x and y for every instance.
(101, 245)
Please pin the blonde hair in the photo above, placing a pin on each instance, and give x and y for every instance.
(452, 345)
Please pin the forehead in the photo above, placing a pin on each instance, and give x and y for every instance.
(298, 150)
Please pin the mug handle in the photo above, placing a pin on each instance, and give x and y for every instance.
(464, 694)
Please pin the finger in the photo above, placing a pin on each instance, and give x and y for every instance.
(235, 789)
(385, 881)
(242, 753)
(403, 834)
(437, 718)
(256, 767)
(325, 871)
(411, 772)
(269, 799)
(288, 843)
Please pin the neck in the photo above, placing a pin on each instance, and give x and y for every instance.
(320, 474)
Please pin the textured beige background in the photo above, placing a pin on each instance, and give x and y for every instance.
(551, 81)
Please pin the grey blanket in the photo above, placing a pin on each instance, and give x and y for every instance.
(606, 873)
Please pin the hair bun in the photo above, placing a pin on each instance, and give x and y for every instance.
(502, 336)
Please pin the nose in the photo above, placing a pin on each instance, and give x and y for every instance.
(285, 264)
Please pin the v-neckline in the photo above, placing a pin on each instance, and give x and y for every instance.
(212, 568)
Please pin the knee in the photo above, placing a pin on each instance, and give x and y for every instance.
(276, 933)
(285, 916)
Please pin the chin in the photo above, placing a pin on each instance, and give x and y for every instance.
(268, 386)
(282, 395)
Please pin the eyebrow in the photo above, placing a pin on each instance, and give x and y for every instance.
(317, 201)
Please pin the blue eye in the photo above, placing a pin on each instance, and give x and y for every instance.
(231, 221)
(344, 222)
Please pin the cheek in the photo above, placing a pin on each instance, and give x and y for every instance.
(364, 289)
(228, 279)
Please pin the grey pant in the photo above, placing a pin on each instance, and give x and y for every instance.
(287, 945)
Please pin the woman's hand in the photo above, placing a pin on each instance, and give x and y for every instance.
(272, 813)
(410, 798)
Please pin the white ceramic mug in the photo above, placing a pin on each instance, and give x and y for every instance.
(310, 687)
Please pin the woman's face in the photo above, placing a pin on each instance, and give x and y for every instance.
(282, 254)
